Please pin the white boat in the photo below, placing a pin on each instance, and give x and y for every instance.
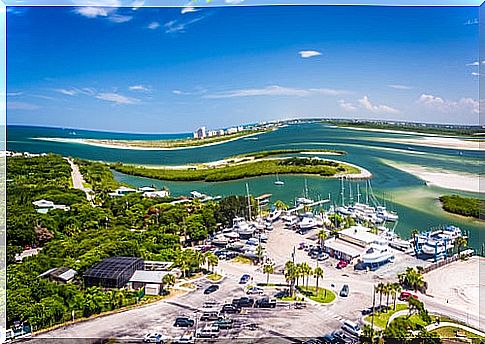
(232, 235)
(220, 240)
(252, 242)
(432, 247)
(290, 221)
(303, 201)
(308, 223)
(274, 216)
(377, 254)
(344, 210)
(278, 181)
(386, 215)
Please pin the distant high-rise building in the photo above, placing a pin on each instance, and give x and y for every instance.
(200, 133)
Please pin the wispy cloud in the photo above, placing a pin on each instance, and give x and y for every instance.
(233, 2)
(21, 106)
(189, 9)
(440, 104)
(376, 108)
(400, 87)
(72, 91)
(349, 107)
(179, 26)
(309, 53)
(153, 25)
(107, 9)
(141, 88)
(475, 74)
(14, 94)
(473, 21)
(116, 98)
(476, 63)
(276, 90)
(197, 91)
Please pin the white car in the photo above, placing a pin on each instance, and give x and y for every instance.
(155, 337)
(185, 339)
(255, 291)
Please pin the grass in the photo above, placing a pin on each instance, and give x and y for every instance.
(233, 171)
(265, 154)
(465, 206)
(214, 277)
(242, 260)
(381, 318)
(451, 332)
(323, 295)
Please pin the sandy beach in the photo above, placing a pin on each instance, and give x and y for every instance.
(392, 131)
(441, 178)
(439, 142)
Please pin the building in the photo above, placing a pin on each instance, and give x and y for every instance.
(113, 272)
(232, 130)
(43, 206)
(122, 191)
(213, 133)
(358, 235)
(200, 133)
(154, 194)
(152, 281)
(220, 132)
(62, 274)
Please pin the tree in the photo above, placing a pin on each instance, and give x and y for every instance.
(291, 275)
(396, 289)
(212, 260)
(322, 235)
(415, 306)
(168, 281)
(412, 279)
(259, 253)
(318, 273)
(281, 205)
(380, 289)
(388, 291)
(268, 269)
(460, 243)
(307, 272)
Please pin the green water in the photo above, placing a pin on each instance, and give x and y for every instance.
(415, 202)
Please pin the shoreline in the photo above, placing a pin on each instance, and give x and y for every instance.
(440, 178)
(396, 131)
(440, 142)
(95, 143)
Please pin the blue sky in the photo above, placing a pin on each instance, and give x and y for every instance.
(173, 69)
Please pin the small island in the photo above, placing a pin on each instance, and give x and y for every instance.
(245, 167)
(465, 206)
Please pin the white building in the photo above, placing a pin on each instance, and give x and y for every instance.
(232, 130)
(154, 194)
(43, 206)
(200, 133)
(121, 191)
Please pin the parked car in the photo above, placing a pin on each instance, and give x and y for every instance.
(265, 302)
(231, 309)
(255, 291)
(224, 324)
(244, 279)
(352, 328)
(300, 305)
(183, 322)
(210, 289)
(342, 338)
(302, 246)
(243, 302)
(282, 293)
(342, 264)
(322, 256)
(210, 316)
(185, 339)
(367, 311)
(155, 337)
(405, 295)
(328, 339)
(344, 292)
(211, 331)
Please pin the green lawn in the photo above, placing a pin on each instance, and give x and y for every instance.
(214, 277)
(242, 260)
(381, 319)
(451, 332)
(323, 295)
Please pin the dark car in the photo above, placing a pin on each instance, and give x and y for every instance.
(282, 293)
(344, 292)
(265, 302)
(328, 339)
(210, 316)
(342, 338)
(243, 302)
(367, 311)
(224, 324)
(210, 289)
(183, 322)
(244, 279)
(230, 309)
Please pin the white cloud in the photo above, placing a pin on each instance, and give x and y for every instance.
(119, 18)
(349, 107)
(473, 21)
(436, 103)
(139, 88)
(276, 90)
(475, 74)
(67, 92)
(116, 98)
(93, 12)
(233, 2)
(136, 4)
(88, 91)
(153, 25)
(400, 87)
(376, 108)
(103, 8)
(179, 26)
(177, 92)
(473, 63)
(14, 94)
(188, 9)
(21, 106)
(309, 53)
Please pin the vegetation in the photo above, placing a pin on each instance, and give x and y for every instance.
(415, 127)
(320, 295)
(465, 206)
(152, 229)
(214, 277)
(268, 269)
(381, 318)
(320, 167)
(412, 278)
(449, 332)
(265, 154)
(177, 143)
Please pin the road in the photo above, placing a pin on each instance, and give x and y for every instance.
(78, 180)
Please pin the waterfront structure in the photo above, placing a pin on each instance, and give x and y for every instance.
(113, 272)
(121, 191)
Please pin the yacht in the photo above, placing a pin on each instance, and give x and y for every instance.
(278, 181)
(386, 215)
(432, 247)
(303, 201)
(220, 240)
(377, 254)
(274, 215)
(231, 235)
(308, 222)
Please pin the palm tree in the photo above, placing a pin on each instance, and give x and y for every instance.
(259, 253)
(318, 273)
(307, 271)
(414, 233)
(212, 260)
(281, 205)
(268, 269)
(168, 281)
(396, 289)
(460, 243)
(412, 278)
(387, 292)
(322, 235)
(290, 275)
(380, 290)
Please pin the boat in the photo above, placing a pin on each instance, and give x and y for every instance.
(386, 215)
(278, 181)
(308, 222)
(435, 247)
(377, 254)
(220, 240)
(232, 235)
(274, 216)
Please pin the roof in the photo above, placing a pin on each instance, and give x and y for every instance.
(42, 203)
(112, 267)
(344, 247)
(62, 273)
(262, 197)
(360, 233)
(151, 277)
(147, 188)
(161, 193)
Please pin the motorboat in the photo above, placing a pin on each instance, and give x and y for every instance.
(386, 215)
(220, 240)
(307, 223)
(291, 221)
(231, 235)
(435, 247)
(377, 254)
(304, 201)
(274, 215)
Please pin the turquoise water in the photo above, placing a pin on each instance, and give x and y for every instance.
(415, 202)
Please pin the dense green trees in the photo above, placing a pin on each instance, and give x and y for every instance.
(462, 205)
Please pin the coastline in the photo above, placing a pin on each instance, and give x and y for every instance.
(395, 131)
(439, 142)
(96, 143)
(440, 178)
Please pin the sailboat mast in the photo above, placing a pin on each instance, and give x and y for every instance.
(351, 197)
(358, 194)
(366, 192)
(249, 201)
(342, 191)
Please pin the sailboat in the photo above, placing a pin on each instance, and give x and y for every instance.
(278, 181)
